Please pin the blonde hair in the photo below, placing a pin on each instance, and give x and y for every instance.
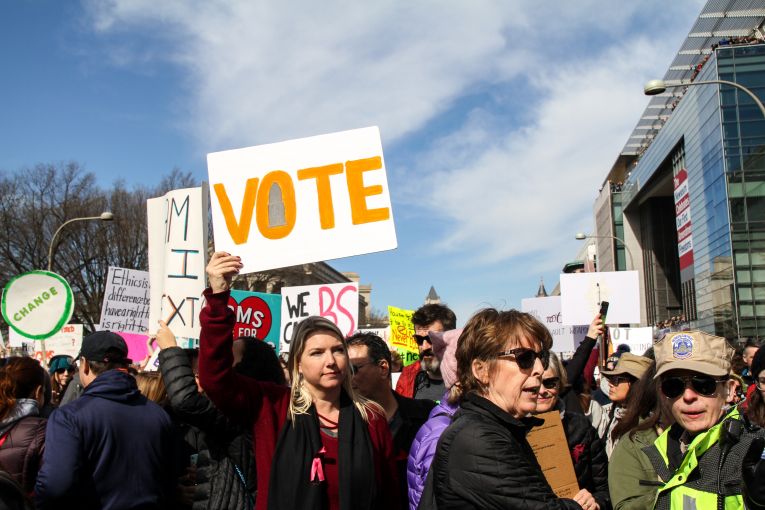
(301, 398)
(152, 386)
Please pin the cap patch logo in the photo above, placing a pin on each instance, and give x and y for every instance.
(682, 346)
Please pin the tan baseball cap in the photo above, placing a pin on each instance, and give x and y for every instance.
(693, 350)
(631, 364)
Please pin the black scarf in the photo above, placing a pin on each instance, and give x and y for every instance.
(290, 486)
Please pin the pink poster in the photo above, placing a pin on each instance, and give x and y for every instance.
(136, 345)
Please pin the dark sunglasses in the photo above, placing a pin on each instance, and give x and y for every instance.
(69, 370)
(526, 357)
(616, 380)
(704, 385)
(421, 338)
(551, 382)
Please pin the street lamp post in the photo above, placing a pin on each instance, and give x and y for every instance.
(104, 216)
(655, 87)
(581, 236)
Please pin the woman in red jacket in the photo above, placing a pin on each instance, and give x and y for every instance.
(317, 445)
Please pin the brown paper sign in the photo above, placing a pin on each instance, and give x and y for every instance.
(551, 449)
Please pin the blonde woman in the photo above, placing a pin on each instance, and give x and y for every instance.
(317, 445)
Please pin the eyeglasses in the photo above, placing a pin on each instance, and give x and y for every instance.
(526, 357)
(356, 367)
(616, 380)
(551, 382)
(704, 385)
(421, 338)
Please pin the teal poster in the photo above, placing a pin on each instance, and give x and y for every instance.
(257, 314)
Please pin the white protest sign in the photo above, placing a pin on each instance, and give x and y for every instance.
(37, 304)
(547, 311)
(582, 293)
(66, 341)
(639, 339)
(177, 259)
(301, 201)
(383, 333)
(126, 301)
(338, 302)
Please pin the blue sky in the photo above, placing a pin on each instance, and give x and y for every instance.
(499, 119)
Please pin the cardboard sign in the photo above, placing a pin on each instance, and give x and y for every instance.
(547, 311)
(257, 314)
(126, 301)
(37, 304)
(177, 259)
(402, 334)
(338, 302)
(66, 341)
(301, 201)
(582, 293)
(551, 449)
(639, 339)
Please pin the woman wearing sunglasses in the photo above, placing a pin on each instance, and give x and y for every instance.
(587, 450)
(62, 369)
(628, 370)
(483, 459)
(756, 406)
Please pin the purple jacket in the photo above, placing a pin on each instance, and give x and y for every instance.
(424, 448)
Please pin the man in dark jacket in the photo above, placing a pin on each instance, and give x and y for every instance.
(371, 360)
(423, 378)
(111, 447)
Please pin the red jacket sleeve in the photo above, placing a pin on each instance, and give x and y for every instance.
(385, 461)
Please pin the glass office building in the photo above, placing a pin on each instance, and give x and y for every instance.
(692, 205)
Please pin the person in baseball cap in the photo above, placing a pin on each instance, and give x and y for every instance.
(708, 447)
(104, 347)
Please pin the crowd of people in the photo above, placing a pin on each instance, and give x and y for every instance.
(232, 425)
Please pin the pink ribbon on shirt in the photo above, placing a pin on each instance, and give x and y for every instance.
(317, 469)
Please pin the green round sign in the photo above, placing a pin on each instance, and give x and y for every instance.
(37, 304)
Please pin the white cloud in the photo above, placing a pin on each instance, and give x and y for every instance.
(266, 71)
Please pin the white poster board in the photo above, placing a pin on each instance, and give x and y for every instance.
(383, 333)
(566, 338)
(338, 302)
(177, 258)
(582, 293)
(300, 201)
(638, 339)
(67, 340)
(126, 301)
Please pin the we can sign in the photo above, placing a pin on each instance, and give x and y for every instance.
(37, 304)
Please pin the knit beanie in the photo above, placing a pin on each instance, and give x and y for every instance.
(445, 347)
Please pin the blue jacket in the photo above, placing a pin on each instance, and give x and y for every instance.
(111, 448)
(424, 448)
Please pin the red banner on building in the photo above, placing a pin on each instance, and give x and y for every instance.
(683, 221)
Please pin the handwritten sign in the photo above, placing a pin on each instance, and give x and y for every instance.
(551, 450)
(301, 201)
(402, 334)
(177, 259)
(37, 304)
(126, 301)
(582, 293)
(638, 339)
(67, 340)
(338, 302)
(257, 314)
(547, 311)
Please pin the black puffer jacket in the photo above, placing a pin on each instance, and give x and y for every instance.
(22, 450)
(224, 448)
(483, 460)
(589, 456)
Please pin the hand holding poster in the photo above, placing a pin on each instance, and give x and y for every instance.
(300, 201)
(126, 301)
(402, 334)
(338, 302)
(177, 259)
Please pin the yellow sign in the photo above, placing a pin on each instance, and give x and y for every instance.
(402, 334)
